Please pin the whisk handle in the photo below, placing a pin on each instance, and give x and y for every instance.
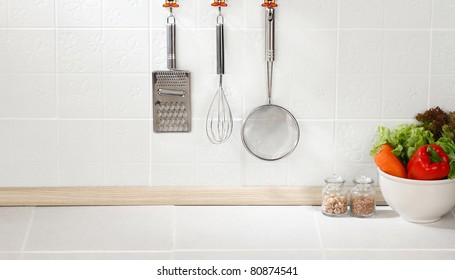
(220, 47)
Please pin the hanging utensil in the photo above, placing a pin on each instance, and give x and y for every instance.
(270, 132)
(172, 88)
(219, 121)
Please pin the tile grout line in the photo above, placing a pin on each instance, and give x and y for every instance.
(27, 233)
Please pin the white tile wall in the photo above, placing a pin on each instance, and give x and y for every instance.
(75, 87)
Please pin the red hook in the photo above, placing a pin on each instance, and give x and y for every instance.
(171, 3)
(269, 4)
(219, 3)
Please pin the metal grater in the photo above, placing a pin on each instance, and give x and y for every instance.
(171, 90)
(171, 101)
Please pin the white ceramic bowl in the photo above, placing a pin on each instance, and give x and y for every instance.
(418, 201)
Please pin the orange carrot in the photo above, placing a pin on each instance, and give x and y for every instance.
(388, 162)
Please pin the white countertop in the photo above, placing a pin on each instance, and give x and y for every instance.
(169, 232)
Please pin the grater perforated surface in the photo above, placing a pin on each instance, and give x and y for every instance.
(171, 101)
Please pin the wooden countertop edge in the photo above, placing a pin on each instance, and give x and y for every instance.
(93, 196)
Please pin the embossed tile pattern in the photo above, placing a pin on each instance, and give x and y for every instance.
(342, 67)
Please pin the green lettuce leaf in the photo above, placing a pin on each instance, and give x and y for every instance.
(405, 139)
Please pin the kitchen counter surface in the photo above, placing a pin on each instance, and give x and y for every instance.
(171, 232)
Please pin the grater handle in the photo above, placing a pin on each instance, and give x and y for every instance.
(220, 45)
(170, 34)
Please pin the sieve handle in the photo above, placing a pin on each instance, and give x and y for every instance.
(220, 45)
(269, 48)
(269, 34)
(170, 35)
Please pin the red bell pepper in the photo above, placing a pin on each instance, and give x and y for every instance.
(429, 162)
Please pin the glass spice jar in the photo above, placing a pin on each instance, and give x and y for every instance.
(363, 202)
(334, 197)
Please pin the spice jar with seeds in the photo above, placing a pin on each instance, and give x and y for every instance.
(334, 197)
(363, 202)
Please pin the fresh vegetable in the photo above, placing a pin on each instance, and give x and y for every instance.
(405, 140)
(438, 122)
(388, 162)
(434, 127)
(429, 162)
(449, 148)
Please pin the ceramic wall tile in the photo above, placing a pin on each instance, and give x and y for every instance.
(362, 13)
(3, 13)
(442, 92)
(407, 52)
(6, 174)
(80, 96)
(221, 174)
(32, 50)
(408, 13)
(127, 174)
(35, 96)
(173, 174)
(31, 13)
(6, 141)
(127, 141)
(354, 140)
(399, 90)
(125, 13)
(35, 141)
(314, 134)
(307, 14)
(174, 147)
(83, 174)
(5, 43)
(80, 51)
(35, 174)
(127, 96)
(443, 54)
(264, 174)
(317, 54)
(312, 96)
(338, 63)
(81, 141)
(5, 96)
(126, 51)
(359, 96)
(74, 13)
(361, 52)
(443, 14)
